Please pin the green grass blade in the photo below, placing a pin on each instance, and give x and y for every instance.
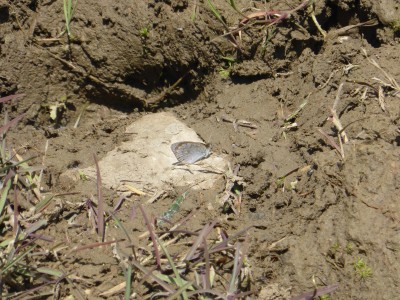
(233, 5)
(236, 270)
(215, 12)
(153, 277)
(128, 284)
(4, 194)
(52, 272)
(6, 168)
(118, 222)
(69, 9)
(67, 15)
(5, 243)
(35, 226)
(193, 16)
(179, 281)
(17, 259)
(178, 293)
(43, 203)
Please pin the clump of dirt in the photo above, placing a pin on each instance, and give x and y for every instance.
(306, 109)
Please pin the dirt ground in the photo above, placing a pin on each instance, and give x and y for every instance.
(321, 196)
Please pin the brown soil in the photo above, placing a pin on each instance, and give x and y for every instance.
(314, 213)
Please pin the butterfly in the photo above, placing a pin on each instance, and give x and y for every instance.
(190, 152)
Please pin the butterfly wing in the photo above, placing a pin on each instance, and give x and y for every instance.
(189, 152)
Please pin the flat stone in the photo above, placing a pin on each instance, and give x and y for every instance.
(146, 161)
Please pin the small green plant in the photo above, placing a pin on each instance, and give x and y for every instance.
(335, 247)
(349, 248)
(361, 269)
(83, 176)
(395, 25)
(324, 297)
(225, 71)
(270, 32)
(144, 33)
(280, 182)
(69, 11)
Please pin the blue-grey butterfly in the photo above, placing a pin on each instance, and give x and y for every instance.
(190, 152)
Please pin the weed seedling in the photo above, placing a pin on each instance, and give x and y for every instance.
(144, 33)
(395, 25)
(361, 269)
(268, 35)
(144, 36)
(349, 248)
(220, 19)
(335, 247)
(69, 11)
(225, 71)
